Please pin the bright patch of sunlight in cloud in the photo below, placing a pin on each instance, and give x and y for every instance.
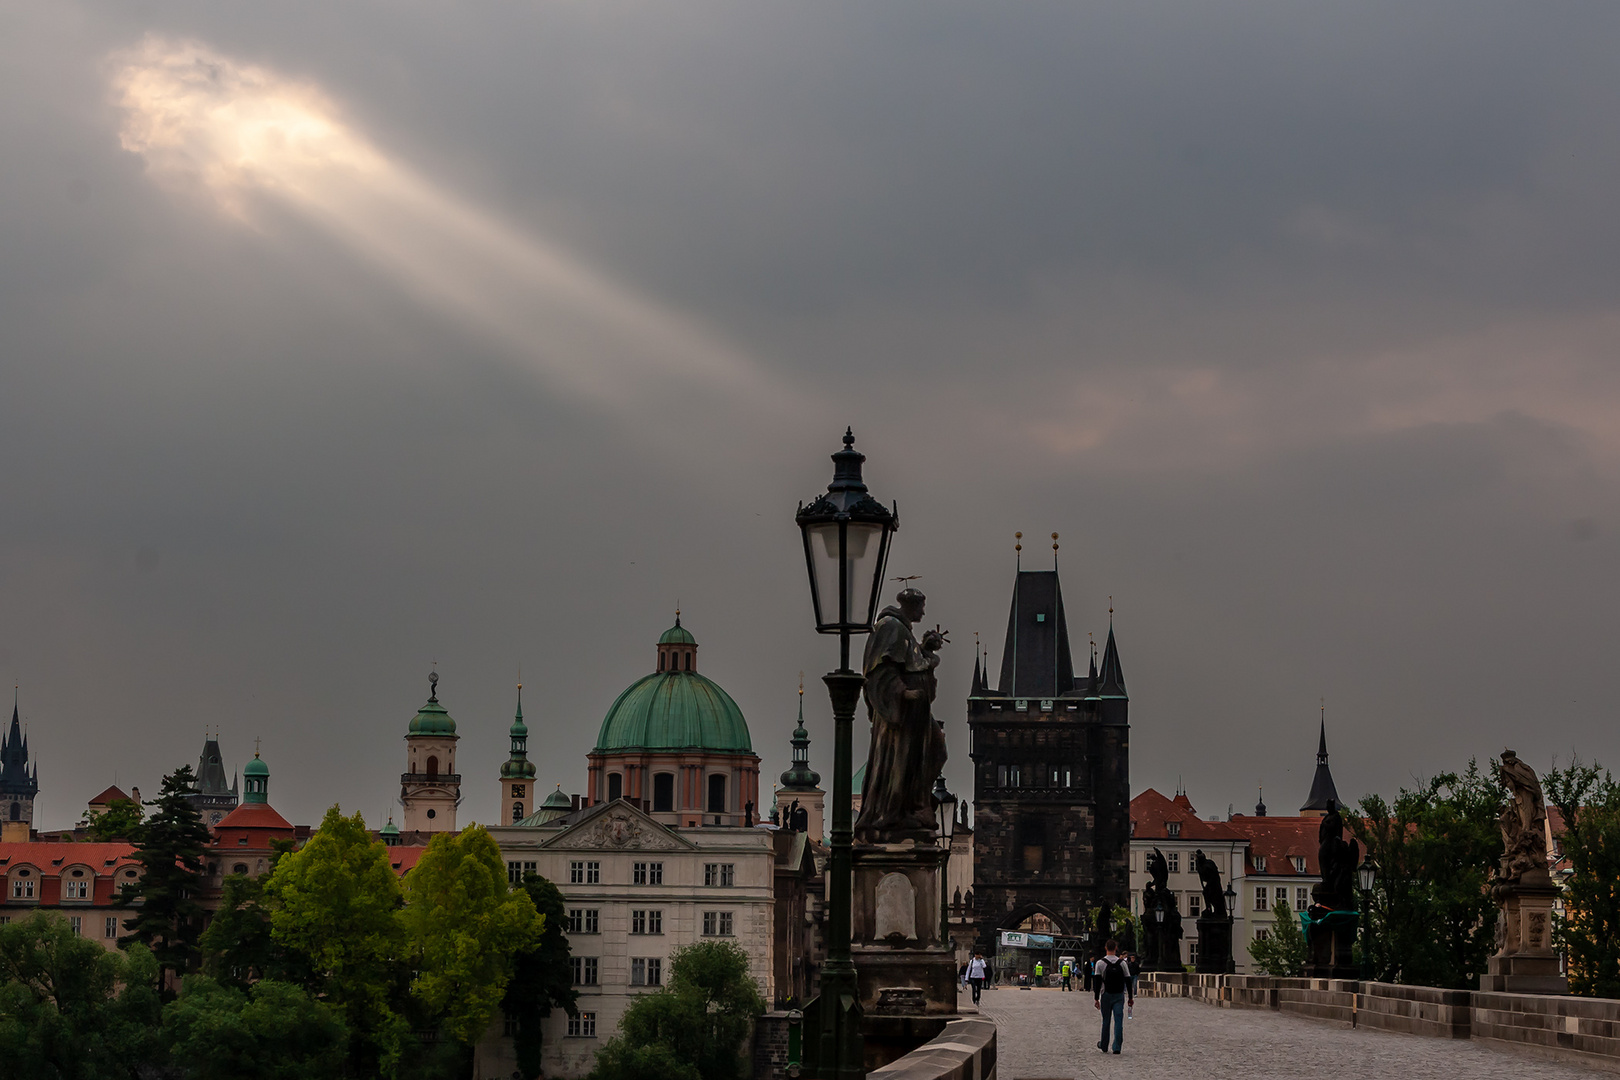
(244, 134)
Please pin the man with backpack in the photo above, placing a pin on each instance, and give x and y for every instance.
(1111, 984)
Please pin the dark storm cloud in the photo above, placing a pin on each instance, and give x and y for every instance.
(1298, 324)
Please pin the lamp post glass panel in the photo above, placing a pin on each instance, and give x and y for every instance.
(945, 813)
(1366, 877)
(1231, 919)
(846, 547)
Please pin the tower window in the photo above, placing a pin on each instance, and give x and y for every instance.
(16, 811)
(663, 791)
(661, 658)
(433, 766)
(717, 794)
(1032, 842)
(517, 812)
(688, 661)
(615, 786)
(433, 814)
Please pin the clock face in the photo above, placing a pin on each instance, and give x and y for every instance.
(214, 818)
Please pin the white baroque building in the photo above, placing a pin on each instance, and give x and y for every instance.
(636, 890)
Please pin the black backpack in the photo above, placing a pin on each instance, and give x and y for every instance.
(1114, 977)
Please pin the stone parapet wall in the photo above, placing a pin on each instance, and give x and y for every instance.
(1584, 1030)
(965, 1050)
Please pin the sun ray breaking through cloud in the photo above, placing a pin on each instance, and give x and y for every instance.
(246, 135)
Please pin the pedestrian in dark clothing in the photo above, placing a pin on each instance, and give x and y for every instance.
(1111, 982)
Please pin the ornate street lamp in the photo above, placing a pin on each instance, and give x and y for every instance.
(1366, 877)
(945, 814)
(846, 547)
(1158, 938)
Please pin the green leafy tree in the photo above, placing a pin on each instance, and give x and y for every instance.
(541, 979)
(121, 820)
(619, 1060)
(334, 908)
(170, 846)
(462, 924)
(274, 1032)
(702, 1018)
(1433, 919)
(238, 948)
(1284, 952)
(1589, 929)
(72, 1010)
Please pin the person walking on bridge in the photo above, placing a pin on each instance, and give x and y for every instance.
(976, 975)
(1111, 983)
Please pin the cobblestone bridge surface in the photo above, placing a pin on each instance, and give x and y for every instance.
(1049, 1034)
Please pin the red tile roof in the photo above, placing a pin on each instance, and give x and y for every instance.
(1280, 840)
(254, 816)
(51, 856)
(1151, 813)
(403, 859)
(114, 792)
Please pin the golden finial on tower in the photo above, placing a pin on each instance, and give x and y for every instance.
(801, 684)
(1110, 604)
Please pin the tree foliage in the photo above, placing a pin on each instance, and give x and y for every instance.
(1588, 931)
(274, 1032)
(170, 847)
(121, 820)
(334, 907)
(72, 1010)
(237, 948)
(702, 1019)
(1284, 952)
(541, 980)
(462, 925)
(1432, 916)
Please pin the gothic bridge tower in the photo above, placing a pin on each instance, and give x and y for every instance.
(1051, 772)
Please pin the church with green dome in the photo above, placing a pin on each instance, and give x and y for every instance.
(676, 744)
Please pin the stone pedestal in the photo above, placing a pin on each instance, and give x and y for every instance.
(1214, 944)
(1331, 942)
(895, 930)
(1525, 962)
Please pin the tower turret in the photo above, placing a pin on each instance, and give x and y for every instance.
(18, 784)
(1115, 702)
(1322, 790)
(256, 781)
(430, 789)
(517, 771)
(801, 784)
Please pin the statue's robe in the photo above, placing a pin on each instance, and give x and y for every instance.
(908, 748)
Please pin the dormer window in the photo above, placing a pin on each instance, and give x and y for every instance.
(1173, 828)
(1259, 864)
(1299, 864)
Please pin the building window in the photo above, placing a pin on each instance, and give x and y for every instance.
(647, 873)
(584, 873)
(1259, 864)
(1194, 900)
(661, 659)
(582, 1026)
(240, 868)
(22, 889)
(1173, 861)
(615, 786)
(584, 920)
(77, 922)
(1173, 828)
(723, 874)
(1299, 864)
(515, 871)
(111, 929)
(646, 921)
(1261, 933)
(76, 890)
(1032, 843)
(432, 766)
(663, 791)
(585, 970)
(717, 794)
(648, 972)
(517, 812)
(1261, 901)
(1302, 898)
(717, 924)
(509, 1026)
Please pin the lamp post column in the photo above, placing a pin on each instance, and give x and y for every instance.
(843, 1046)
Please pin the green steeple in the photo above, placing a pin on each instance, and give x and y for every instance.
(432, 718)
(256, 781)
(801, 777)
(518, 766)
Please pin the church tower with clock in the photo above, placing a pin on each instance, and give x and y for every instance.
(430, 788)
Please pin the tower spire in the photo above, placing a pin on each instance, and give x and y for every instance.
(1323, 790)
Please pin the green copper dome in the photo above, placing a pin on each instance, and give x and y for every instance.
(432, 718)
(674, 710)
(557, 801)
(256, 767)
(677, 634)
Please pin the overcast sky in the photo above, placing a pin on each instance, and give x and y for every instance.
(339, 340)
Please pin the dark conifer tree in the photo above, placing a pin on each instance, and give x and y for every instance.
(170, 846)
(541, 977)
